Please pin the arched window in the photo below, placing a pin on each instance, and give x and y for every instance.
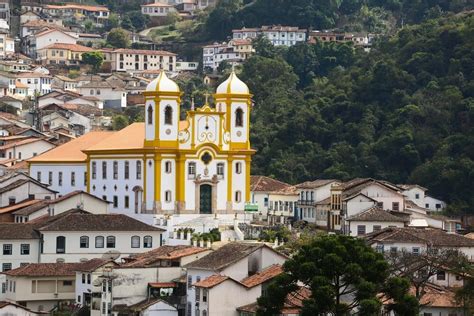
(99, 241)
(135, 241)
(168, 115)
(239, 117)
(147, 242)
(150, 114)
(60, 244)
(238, 196)
(110, 242)
(84, 242)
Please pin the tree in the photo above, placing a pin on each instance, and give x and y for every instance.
(344, 275)
(138, 19)
(127, 23)
(95, 59)
(119, 122)
(118, 38)
(113, 21)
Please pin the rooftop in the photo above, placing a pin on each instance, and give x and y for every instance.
(162, 253)
(17, 231)
(375, 214)
(131, 137)
(315, 184)
(72, 151)
(71, 47)
(96, 222)
(267, 184)
(54, 269)
(263, 276)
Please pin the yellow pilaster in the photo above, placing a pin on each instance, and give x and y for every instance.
(88, 175)
(229, 178)
(144, 168)
(180, 178)
(158, 159)
(248, 161)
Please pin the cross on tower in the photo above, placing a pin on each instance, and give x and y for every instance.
(207, 97)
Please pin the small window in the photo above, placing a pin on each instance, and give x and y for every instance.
(192, 169)
(25, 249)
(126, 170)
(110, 242)
(239, 118)
(150, 114)
(67, 283)
(238, 196)
(168, 196)
(415, 250)
(115, 201)
(60, 178)
(60, 244)
(393, 250)
(139, 170)
(376, 228)
(238, 168)
(84, 242)
(115, 169)
(126, 201)
(190, 281)
(83, 278)
(73, 178)
(99, 242)
(417, 196)
(380, 205)
(94, 170)
(168, 115)
(441, 276)
(88, 278)
(395, 206)
(7, 249)
(168, 166)
(50, 178)
(360, 230)
(135, 241)
(104, 170)
(147, 242)
(38, 176)
(220, 170)
(6, 267)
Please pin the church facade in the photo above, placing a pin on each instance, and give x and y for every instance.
(200, 165)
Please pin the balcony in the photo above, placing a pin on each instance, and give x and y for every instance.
(306, 202)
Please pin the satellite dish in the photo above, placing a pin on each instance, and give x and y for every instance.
(111, 255)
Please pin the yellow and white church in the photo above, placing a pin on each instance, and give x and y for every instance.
(165, 166)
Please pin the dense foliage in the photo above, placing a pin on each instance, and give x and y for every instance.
(369, 15)
(403, 112)
(344, 275)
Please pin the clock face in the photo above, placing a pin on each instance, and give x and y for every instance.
(207, 129)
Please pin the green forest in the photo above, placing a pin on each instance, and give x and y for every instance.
(403, 112)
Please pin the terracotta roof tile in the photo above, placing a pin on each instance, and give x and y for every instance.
(20, 205)
(165, 252)
(72, 151)
(263, 276)
(131, 137)
(71, 47)
(266, 184)
(315, 184)
(54, 269)
(376, 214)
(18, 231)
(211, 281)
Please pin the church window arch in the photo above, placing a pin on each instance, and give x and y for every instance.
(150, 115)
(168, 115)
(239, 117)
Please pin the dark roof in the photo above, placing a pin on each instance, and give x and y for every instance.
(356, 185)
(138, 307)
(225, 256)
(54, 269)
(74, 193)
(4, 304)
(314, 184)
(429, 236)
(18, 231)
(96, 222)
(13, 185)
(266, 184)
(30, 209)
(166, 252)
(375, 214)
(93, 264)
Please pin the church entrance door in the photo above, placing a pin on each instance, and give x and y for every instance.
(205, 199)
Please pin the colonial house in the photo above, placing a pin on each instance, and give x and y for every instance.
(153, 272)
(417, 194)
(9, 308)
(276, 34)
(231, 276)
(69, 97)
(23, 148)
(111, 95)
(158, 9)
(7, 45)
(45, 286)
(46, 37)
(234, 52)
(130, 60)
(22, 190)
(372, 220)
(273, 199)
(313, 195)
(62, 54)
(99, 14)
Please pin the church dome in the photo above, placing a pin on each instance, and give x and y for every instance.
(162, 84)
(233, 85)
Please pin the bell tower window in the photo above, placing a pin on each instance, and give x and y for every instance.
(168, 115)
(150, 115)
(239, 118)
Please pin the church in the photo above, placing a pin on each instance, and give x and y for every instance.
(199, 165)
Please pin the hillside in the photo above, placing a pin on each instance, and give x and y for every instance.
(404, 112)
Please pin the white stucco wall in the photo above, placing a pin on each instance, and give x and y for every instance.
(78, 168)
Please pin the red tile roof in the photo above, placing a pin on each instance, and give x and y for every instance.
(71, 47)
(166, 252)
(263, 276)
(211, 281)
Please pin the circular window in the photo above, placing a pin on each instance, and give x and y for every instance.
(206, 158)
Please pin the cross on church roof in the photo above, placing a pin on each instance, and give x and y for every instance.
(207, 98)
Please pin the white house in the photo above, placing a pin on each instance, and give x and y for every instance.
(417, 194)
(47, 37)
(158, 9)
(273, 198)
(112, 96)
(372, 220)
(129, 60)
(9, 308)
(276, 34)
(24, 148)
(24, 189)
(230, 264)
(77, 235)
(26, 84)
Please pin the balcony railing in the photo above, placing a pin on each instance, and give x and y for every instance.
(306, 202)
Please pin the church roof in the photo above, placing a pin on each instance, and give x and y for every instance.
(72, 151)
(131, 137)
(162, 84)
(233, 85)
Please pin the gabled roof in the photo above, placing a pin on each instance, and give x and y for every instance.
(225, 256)
(212, 281)
(30, 209)
(94, 264)
(18, 231)
(72, 151)
(71, 47)
(53, 269)
(131, 137)
(96, 222)
(428, 236)
(266, 184)
(375, 214)
(315, 184)
(150, 258)
(15, 207)
(263, 276)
